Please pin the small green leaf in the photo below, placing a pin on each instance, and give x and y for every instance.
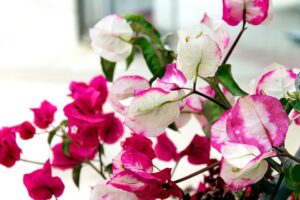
(130, 58)
(150, 56)
(65, 148)
(212, 112)
(76, 174)
(296, 173)
(109, 168)
(140, 25)
(108, 69)
(51, 135)
(173, 127)
(225, 77)
(296, 105)
(64, 123)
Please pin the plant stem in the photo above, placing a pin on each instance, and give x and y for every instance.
(211, 99)
(235, 43)
(280, 179)
(274, 164)
(175, 167)
(41, 163)
(100, 161)
(197, 172)
(283, 152)
(95, 168)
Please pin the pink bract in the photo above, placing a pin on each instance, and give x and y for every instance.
(44, 115)
(9, 149)
(26, 130)
(165, 149)
(258, 120)
(42, 185)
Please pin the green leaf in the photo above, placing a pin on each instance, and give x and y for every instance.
(212, 112)
(76, 174)
(286, 104)
(109, 168)
(130, 58)
(140, 25)
(65, 148)
(296, 105)
(64, 123)
(152, 60)
(292, 177)
(173, 127)
(51, 135)
(225, 77)
(108, 69)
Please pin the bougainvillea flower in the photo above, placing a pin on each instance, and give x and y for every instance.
(105, 191)
(165, 149)
(78, 154)
(219, 28)
(149, 106)
(277, 82)
(198, 151)
(124, 88)
(110, 38)
(256, 11)
(44, 115)
(26, 130)
(42, 185)
(296, 117)
(90, 97)
(140, 143)
(173, 79)
(218, 133)
(147, 185)
(198, 54)
(258, 120)
(9, 149)
(243, 165)
(111, 130)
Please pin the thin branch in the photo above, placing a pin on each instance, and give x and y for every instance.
(197, 172)
(41, 163)
(211, 99)
(280, 179)
(175, 167)
(95, 168)
(235, 43)
(101, 162)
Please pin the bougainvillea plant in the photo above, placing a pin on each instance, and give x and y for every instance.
(248, 129)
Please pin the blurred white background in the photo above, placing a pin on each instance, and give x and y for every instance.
(44, 45)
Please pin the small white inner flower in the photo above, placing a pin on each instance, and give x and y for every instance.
(74, 130)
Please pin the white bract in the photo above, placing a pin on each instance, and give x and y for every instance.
(110, 36)
(198, 53)
(152, 111)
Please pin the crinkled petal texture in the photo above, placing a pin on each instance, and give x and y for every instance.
(44, 115)
(26, 130)
(218, 134)
(152, 111)
(277, 82)
(124, 88)
(198, 55)
(42, 185)
(256, 11)
(109, 36)
(9, 150)
(105, 191)
(219, 28)
(243, 165)
(172, 79)
(258, 120)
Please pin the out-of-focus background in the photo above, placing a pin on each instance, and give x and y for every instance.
(44, 44)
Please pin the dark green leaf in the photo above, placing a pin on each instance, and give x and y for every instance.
(296, 105)
(76, 174)
(150, 56)
(109, 168)
(291, 177)
(64, 123)
(130, 58)
(140, 25)
(108, 69)
(65, 148)
(286, 104)
(212, 112)
(225, 77)
(51, 135)
(173, 127)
